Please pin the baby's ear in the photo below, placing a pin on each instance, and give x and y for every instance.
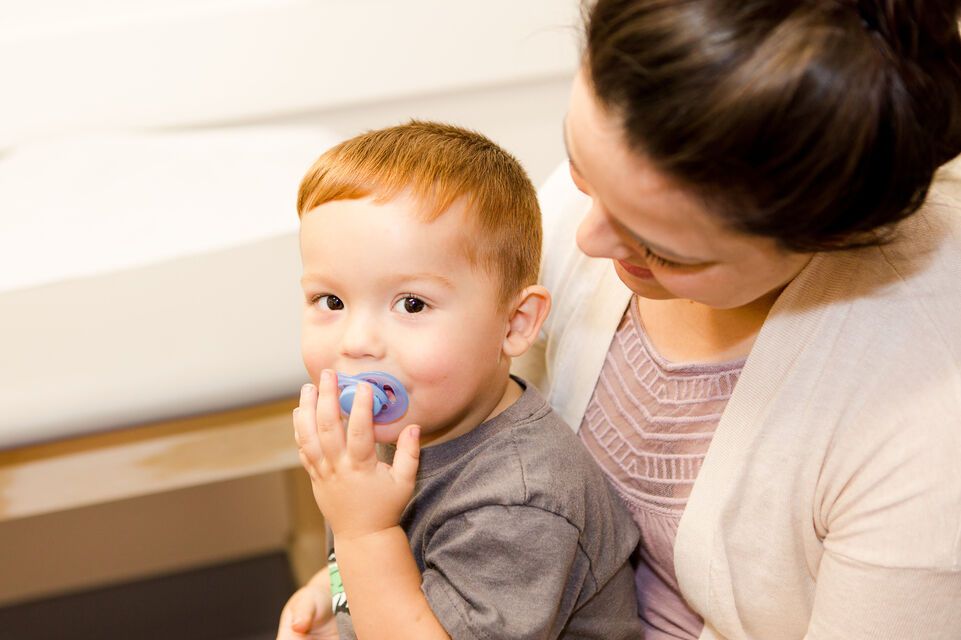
(528, 312)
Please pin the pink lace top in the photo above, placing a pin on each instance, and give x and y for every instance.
(648, 425)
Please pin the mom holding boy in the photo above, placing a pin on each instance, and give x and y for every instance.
(754, 257)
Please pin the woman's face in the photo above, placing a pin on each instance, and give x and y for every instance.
(662, 240)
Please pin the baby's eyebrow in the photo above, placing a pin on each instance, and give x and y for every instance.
(395, 279)
(310, 278)
(413, 277)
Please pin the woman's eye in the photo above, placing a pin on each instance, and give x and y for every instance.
(333, 303)
(410, 304)
(656, 259)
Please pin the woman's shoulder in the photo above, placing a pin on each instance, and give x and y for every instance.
(926, 247)
(902, 293)
(871, 338)
(877, 337)
(919, 271)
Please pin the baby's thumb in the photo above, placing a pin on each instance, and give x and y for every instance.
(302, 610)
(407, 455)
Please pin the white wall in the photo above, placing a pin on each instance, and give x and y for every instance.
(499, 65)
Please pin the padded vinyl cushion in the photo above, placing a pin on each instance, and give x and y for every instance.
(150, 276)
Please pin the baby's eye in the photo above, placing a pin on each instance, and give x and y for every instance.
(410, 304)
(330, 302)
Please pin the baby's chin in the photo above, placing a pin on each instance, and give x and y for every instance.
(388, 433)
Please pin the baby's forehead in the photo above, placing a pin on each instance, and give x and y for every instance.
(400, 232)
(445, 225)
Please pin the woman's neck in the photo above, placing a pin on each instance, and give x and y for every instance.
(687, 331)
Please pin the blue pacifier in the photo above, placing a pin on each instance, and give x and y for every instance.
(390, 397)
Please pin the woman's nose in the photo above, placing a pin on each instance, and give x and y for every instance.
(597, 237)
(361, 338)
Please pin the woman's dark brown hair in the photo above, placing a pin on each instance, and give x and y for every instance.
(819, 123)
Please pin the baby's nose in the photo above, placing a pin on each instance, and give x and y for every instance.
(361, 339)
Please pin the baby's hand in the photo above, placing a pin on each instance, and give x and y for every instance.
(357, 493)
(308, 614)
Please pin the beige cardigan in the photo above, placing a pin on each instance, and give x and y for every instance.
(829, 503)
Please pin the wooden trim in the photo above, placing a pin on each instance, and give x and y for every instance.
(157, 457)
(125, 540)
(307, 547)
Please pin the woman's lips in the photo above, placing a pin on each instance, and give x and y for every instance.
(637, 272)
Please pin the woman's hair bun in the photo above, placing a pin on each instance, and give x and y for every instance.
(924, 45)
(913, 28)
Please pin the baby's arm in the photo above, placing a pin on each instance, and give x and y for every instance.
(362, 500)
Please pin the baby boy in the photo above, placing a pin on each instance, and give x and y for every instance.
(420, 246)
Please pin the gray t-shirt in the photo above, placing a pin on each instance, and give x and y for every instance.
(518, 534)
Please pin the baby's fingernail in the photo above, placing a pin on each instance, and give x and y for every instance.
(325, 376)
(415, 433)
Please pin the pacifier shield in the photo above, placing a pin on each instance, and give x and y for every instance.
(390, 397)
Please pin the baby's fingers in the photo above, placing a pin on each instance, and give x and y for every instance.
(360, 426)
(407, 456)
(302, 612)
(305, 430)
(298, 616)
(328, 426)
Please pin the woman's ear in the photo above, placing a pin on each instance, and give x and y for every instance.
(529, 310)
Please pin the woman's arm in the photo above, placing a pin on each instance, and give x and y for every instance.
(890, 517)
(855, 599)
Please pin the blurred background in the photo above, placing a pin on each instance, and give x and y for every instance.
(149, 302)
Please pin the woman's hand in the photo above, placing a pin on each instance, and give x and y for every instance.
(308, 614)
(358, 494)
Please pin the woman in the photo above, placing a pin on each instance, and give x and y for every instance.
(776, 392)
(746, 164)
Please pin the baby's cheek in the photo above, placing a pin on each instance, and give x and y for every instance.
(314, 356)
(434, 375)
(431, 362)
(313, 370)
(444, 377)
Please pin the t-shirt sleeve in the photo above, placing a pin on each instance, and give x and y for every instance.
(504, 572)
